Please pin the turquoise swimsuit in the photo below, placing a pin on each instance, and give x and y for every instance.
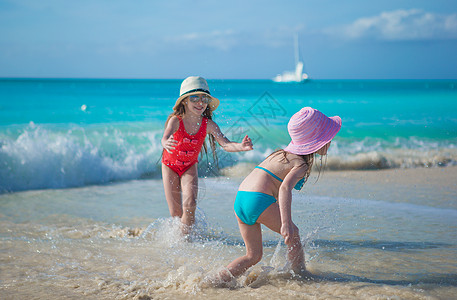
(250, 205)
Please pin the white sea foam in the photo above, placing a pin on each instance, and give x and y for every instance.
(39, 157)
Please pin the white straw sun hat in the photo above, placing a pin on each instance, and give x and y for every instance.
(195, 85)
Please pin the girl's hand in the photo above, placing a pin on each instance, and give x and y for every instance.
(246, 144)
(170, 144)
(287, 231)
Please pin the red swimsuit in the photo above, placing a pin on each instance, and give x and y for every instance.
(185, 154)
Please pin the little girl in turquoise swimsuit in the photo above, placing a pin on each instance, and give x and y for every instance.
(265, 195)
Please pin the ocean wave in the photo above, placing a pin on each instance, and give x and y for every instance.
(42, 157)
(393, 159)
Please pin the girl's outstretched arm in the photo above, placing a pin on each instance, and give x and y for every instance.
(226, 144)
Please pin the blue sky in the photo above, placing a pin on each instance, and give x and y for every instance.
(243, 39)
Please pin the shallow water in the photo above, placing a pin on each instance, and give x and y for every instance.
(116, 242)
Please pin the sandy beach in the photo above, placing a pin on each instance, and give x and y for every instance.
(74, 243)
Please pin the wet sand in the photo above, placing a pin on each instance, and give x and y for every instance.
(58, 244)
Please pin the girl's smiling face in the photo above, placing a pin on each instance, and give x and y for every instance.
(196, 104)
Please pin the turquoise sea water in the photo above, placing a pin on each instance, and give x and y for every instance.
(67, 133)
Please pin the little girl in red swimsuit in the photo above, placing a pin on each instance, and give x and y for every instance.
(183, 138)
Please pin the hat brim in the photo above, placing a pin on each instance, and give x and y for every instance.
(319, 143)
(212, 105)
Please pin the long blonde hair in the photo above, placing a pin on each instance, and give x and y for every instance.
(208, 113)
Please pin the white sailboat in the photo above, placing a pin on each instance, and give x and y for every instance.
(293, 76)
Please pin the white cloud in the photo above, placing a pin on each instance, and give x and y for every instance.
(229, 39)
(412, 24)
(222, 40)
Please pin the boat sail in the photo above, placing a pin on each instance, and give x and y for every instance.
(293, 76)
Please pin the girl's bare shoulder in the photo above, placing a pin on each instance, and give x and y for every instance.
(174, 118)
(211, 123)
(292, 161)
(212, 127)
(173, 123)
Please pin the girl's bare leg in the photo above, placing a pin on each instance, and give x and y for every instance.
(189, 186)
(172, 187)
(252, 236)
(271, 218)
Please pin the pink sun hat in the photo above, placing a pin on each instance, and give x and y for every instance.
(310, 130)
